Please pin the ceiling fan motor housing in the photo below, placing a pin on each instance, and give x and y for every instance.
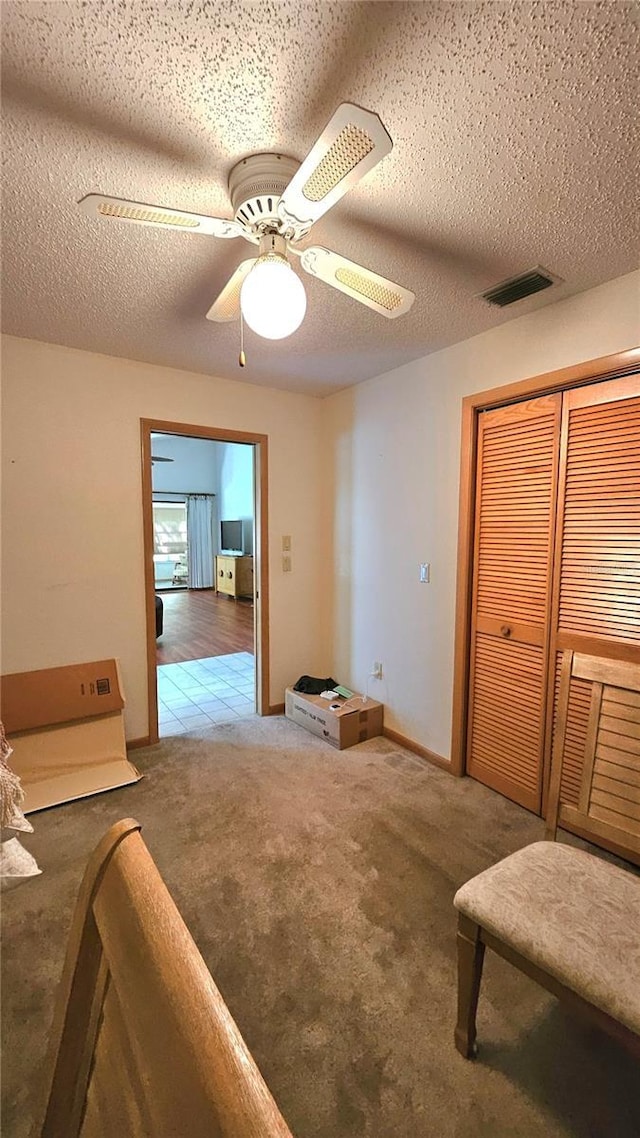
(255, 186)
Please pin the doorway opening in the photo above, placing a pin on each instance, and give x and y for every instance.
(204, 513)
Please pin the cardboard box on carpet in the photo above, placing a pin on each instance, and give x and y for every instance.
(60, 695)
(66, 729)
(353, 722)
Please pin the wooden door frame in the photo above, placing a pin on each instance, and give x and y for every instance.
(591, 371)
(260, 444)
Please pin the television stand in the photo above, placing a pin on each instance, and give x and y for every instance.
(234, 575)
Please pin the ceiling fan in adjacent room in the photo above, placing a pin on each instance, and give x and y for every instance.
(275, 201)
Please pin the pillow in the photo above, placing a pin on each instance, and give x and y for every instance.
(16, 821)
(16, 864)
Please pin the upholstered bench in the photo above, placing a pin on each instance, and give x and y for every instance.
(567, 914)
(568, 918)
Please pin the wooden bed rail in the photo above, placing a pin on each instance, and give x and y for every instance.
(142, 1042)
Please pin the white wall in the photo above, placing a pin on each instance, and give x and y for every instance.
(194, 466)
(394, 447)
(73, 579)
(235, 480)
(365, 482)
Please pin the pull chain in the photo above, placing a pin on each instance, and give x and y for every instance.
(242, 359)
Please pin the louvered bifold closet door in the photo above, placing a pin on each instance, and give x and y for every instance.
(596, 592)
(516, 486)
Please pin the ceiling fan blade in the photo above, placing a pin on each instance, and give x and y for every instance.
(226, 306)
(351, 144)
(384, 296)
(119, 209)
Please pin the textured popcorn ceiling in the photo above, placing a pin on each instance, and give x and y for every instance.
(514, 145)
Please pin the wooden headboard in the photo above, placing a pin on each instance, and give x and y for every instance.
(143, 1045)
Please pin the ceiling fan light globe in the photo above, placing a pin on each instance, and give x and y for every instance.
(273, 299)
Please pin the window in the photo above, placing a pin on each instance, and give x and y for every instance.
(170, 529)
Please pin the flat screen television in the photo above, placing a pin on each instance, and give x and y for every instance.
(231, 536)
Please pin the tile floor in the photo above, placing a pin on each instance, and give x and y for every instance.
(200, 693)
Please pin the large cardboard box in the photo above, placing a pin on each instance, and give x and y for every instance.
(60, 695)
(353, 722)
(66, 728)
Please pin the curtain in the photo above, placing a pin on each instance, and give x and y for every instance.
(200, 540)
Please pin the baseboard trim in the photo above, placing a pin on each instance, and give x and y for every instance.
(276, 709)
(417, 748)
(133, 744)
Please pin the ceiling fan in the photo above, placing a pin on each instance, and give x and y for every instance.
(275, 201)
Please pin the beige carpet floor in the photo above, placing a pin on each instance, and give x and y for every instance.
(318, 886)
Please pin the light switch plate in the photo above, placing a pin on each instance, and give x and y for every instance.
(425, 572)
(286, 543)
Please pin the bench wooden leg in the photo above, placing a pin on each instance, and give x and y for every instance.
(470, 961)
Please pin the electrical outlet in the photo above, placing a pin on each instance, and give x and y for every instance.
(286, 563)
(376, 671)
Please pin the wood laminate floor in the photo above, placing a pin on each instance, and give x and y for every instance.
(198, 624)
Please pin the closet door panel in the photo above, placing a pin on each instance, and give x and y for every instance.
(596, 596)
(506, 712)
(576, 732)
(516, 491)
(599, 514)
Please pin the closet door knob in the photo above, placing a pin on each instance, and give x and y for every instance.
(505, 630)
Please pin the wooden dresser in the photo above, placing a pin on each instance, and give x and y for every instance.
(234, 575)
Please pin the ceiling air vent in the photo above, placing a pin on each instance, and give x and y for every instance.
(516, 288)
